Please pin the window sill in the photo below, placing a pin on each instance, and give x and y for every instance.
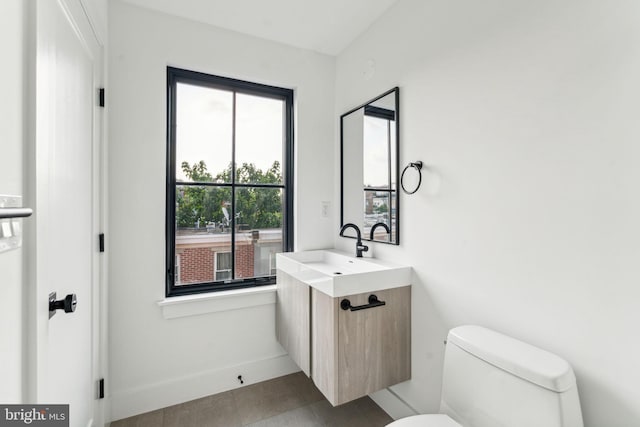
(213, 302)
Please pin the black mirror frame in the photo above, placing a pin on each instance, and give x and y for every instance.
(396, 91)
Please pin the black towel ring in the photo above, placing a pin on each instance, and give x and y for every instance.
(417, 166)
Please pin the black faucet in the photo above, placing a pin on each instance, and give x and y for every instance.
(359, 246)
(376, 225)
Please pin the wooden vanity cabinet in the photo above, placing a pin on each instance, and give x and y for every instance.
(293, 319)
(348, 354)
(355, 353)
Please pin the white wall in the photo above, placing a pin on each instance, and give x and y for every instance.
(97, 11)
(156, 362)
(527, 114)
(12, 136)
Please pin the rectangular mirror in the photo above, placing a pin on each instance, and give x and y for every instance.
(369, 139)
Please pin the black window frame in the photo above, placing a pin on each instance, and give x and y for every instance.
(178, 75)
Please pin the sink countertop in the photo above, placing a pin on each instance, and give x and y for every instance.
(338, 273)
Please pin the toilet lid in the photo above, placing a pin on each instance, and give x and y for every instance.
(431, 420)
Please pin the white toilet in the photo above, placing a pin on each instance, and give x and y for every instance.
(491, 380)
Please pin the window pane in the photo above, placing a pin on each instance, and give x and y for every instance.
(224, 261)
(376, 209)
(177, 277)
(258, 231)
(394, 216)
(259, 139)
(202, 230)
(204, 119)
(223, 275)
(223, 266)
(376, 152)
(200, 208)
(394, 153)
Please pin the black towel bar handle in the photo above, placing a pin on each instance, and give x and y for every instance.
(345, 304)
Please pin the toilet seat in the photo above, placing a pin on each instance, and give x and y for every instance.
(430, 420)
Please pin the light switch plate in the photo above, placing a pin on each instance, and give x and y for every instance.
(326, 205)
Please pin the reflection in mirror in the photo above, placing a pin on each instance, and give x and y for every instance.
(369, 168)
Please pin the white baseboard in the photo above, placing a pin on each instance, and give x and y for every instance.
(392, 404)
(128, 403)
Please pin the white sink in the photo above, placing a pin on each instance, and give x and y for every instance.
(339, 274)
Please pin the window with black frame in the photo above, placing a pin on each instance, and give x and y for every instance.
(229, 181)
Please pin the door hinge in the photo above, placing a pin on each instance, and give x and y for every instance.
(101, 97)
(101, 242)
(101, 388)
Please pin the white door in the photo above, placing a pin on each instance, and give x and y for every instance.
(67, 66)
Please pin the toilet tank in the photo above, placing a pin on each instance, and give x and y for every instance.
(491, 380)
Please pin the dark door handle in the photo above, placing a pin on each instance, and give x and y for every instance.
(345, 304)
(68, 304)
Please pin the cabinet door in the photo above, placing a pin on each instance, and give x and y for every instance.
(374, 344)
(292, 319)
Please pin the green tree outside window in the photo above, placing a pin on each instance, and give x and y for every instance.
(256, 207)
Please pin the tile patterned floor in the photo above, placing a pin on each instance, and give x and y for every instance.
(291, 400)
